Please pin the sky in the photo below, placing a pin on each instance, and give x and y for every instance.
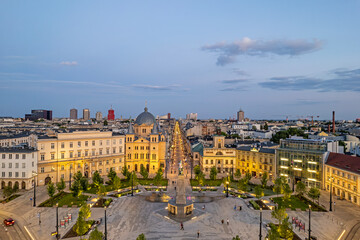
(273, 59)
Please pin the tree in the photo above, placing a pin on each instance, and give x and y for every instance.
(266, 127)
(314, 193)
(264, 179)
(287, 192)
(259, 192)
(101, 191)
(242, 185)
(197, 171)
(126, 173)
(237, 173)
(117, 183)
(285, 229)
(141, 237)
(201, 178)
(96, 235)
(106, 123)
(279, 214)
(278, 185)
(7, 192)
(213, 173)
(247, 177)
(143, 172)
(51, 189)
(96, 178)
(81, 226)
(158, 176)
(76, 189)
(111, 175)
(300, 188)
(85, 211)
(60, 185)
(236, 238)
(81, 180)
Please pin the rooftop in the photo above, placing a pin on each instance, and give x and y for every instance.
(17, 150)
(345, 162)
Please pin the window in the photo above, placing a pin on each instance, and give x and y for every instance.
(107, 161)
(16, 165)
(114, 150)
(207, 161)
(23, 165)
(120, 149)
(153, 157)
(79, 144)
(42, 170)
(62, 176)
(86, 143)
(79, 154)
(93, 152)
(24, 156)
(71, 155)
(32, 164)
(62, 167)
(52, 145)
(62, 145)
(23, 174)
(3, 174)
(3, 165)
(10, 174)
(113, 160)
(141, 156)
(42, 146)
(100, 151)
(100, 171)
(86, 153)
(10, 165)
(42, 157)
(16, 174)
(107, 151)
(71, 145)
(79, 165)
(52, 156)
(62, 155)
(100, 142)
(93, 142)
(349, 186)
(3, 156)
(10, 156)
(107, 142)
(16, 156)
(120, 141)
(114, 141)
(107, 170)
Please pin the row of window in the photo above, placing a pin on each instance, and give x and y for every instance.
(10, 174)
(79, 154)
(16, 156)
(62, 167)
(85, 143)
(342, 174)
(254, 166)
(10, 165)
(218, 161)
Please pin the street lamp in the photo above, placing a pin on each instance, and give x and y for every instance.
(331, 180)
(105, 225)
(260, 223)
(227, 188)
(34, 175)
(132, 183)
(309, 221)
(57, 221)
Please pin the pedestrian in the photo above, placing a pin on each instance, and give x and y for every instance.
(227, 221)
(181, 226)
(240, 208)
(235, 207)
(222, 221)
(198, 233)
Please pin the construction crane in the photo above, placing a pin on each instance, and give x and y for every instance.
(312, 119)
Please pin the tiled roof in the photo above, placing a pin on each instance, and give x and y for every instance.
(345, 162)
(262, 150)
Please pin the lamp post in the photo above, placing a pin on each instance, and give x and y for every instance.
(227, 188)
(34, 174)
(105, 225)
(331, 180)
(309, 221)
(70, 176)
(260, 223)
(132, 182)
(57, 221)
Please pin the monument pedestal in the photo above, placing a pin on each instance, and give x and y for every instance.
(180, 206)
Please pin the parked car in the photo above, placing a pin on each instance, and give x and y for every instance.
(9, 222)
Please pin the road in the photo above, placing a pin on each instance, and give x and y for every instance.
(14, 232)
(354, 232)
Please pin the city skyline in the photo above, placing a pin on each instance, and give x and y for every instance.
(211, 58)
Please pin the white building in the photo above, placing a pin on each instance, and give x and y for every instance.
(191, 116)
(99, 116)
(18, 166)
(18, 139)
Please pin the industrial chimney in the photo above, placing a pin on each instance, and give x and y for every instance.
(333, 123)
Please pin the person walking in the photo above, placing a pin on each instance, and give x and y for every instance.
(181, 226)
(235, 207)
(198, 233)
(227, 221)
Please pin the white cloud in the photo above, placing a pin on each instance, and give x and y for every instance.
(69, 63)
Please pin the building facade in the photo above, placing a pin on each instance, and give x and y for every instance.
(256, 161)
(86, 114)
(21, 139)
(219, 156)
(145, 144)
(344, 173)
(18, 167)
(63, 154)
(98, 116)
(111, 115)
(240, 116)
(73, 113)
(39, 114)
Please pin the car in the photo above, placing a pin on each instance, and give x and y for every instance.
(9, 222)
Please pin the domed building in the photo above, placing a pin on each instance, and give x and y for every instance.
(145, 144)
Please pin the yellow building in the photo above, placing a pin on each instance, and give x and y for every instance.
(344, 172)
(256, 161)
(145, 144)
(62, 154)
(219, 156)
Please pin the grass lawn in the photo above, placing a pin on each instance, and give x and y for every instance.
(163, 182)
(296, 202)
(12, 197)
(64, 198)
(251, 189)
(207, 182)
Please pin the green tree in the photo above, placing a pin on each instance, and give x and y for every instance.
(314, 193)
(51, 189)
(96, 178)
(111, 175)
(117, 183)
(126, 173)
(60, 185)
(242, 185)
(237, 173)
(141, 237)
(247, 177)
(274, 234)
(143, 172)
(236, 238)
(213, 173)
(8, 191)
(96, 235)
(158, 176)
(266, 127)
(81, 180)
(285, 229)
(197, 171)
(101, 191)
(85, 211)
(279, 185)
(264, 179)
(81, 226)
(106, 123)
(287, 192)
(201, 178)
(279, 214)
(300, 188)
(259, 192)
(76, 189)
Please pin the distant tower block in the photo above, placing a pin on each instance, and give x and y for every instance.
(240, 115)
(333, 122)
(111, 115)
(73, 113)
(169, 116)
(86, 114)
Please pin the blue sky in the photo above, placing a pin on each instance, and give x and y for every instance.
(271, 58)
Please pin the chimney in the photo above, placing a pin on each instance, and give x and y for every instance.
(329, 128)
(333, 123)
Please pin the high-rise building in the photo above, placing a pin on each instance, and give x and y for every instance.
(99, 116)
(111, 115)
(38, 114)
(86, 114)
(191, 116)
(73, 113)
(240, 115)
